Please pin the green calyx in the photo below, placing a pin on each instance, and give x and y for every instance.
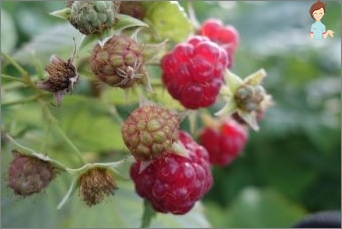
(245, 97)
(93, 17)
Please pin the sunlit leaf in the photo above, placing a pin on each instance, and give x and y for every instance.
(165, 16)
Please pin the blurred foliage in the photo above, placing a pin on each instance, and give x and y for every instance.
(291, 167)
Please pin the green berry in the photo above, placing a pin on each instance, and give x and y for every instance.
(150, 131)
(93, 17)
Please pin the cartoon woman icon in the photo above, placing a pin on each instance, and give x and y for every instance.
(317, 11)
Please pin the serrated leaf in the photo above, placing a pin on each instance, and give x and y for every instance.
(169, 20)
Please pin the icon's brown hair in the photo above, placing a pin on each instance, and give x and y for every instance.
(316, 6)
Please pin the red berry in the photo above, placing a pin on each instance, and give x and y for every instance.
(174, 183)
(193, 72)
(224, 142)
(225, 36)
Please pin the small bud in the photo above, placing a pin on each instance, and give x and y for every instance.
(95, 184)
(28, 175)
(93, 17)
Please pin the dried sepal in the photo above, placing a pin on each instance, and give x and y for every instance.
(95, 185)
(62, 77)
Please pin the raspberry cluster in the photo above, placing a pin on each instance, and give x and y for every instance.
(174, 183)
(193, 72)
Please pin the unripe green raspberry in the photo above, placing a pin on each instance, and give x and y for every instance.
(150, 131)
(28, 175)
(93, 17)
(119, 62)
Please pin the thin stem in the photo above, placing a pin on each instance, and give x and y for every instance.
(70, 143)
(20, 101)
(47, 132)
(12, 78)
(15, 64)
(116, 115)
(71, 190)
(61, 132)
(31, 152)
(192, 15)
(13, 86)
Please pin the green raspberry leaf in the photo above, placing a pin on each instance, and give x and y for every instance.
(165, 16)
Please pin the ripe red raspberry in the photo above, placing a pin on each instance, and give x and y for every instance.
(224, 141)
(174, 183)
(193, 72)
(225, 36)
(28, 175)
(150, 131)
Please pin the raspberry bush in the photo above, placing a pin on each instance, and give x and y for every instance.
(117, 104)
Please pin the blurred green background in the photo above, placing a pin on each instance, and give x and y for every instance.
(290, 168)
